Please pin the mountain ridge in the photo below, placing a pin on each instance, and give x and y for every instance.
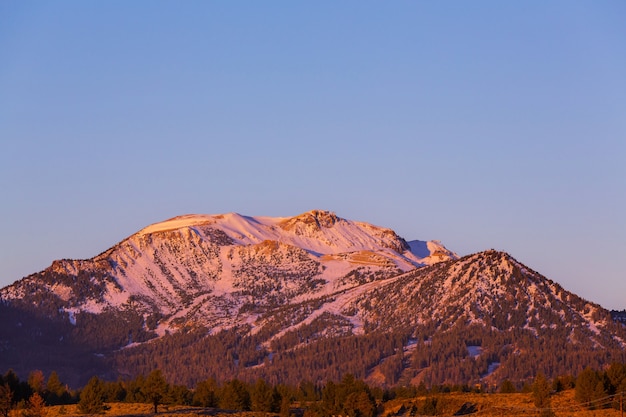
(200, 241)
(271, 294)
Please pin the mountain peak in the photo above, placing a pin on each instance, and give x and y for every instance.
(177, 222)
(311, 221)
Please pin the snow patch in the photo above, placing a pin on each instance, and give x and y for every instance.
(474, 351)
(492, 368)
(72, 317)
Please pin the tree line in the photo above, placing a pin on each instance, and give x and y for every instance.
(350, 396)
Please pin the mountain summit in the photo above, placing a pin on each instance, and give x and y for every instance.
(311, 297)
(180, 268)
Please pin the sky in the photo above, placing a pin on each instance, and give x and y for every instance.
(482, 124)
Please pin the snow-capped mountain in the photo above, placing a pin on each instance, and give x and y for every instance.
(307, 297)
(183, 267)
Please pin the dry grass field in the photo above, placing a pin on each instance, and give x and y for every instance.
(487, 405)
(145, 410)
(483, 405)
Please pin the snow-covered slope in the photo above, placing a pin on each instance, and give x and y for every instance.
(309, 296)
(200, 269)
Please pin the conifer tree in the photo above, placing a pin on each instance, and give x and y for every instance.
(206, 393)
(589, 387)
(507, 387)
(616, 375)
(36, 407)
(261, 396)
(285, 406)
(541, 391)
(21, 391)
(359, 404)
(180, 395)
(36, 381)
(134, 390)
(6, 400)
(114, 391)
(55, 391)
(92, 397)
(277, 399)
(329, 398)
(155, 389)
(235, 396)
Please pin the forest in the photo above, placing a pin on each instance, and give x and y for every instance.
(483, 326)
(349, 396)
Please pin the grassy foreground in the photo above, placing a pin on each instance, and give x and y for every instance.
(487, 405)
(483, 405)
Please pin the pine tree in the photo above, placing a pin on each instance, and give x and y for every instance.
(285, 407)
(114, 392)
(261, 396)
(235, 396)
(92, 397)
(507, 387)
(206, 393)
(329, 398)
(589, 387)
(307, 391)
(36, 381)
(21, 391)
(360, 404)
(134, 388)
(155, 388)
(36, 407)
(180, 395)
(277, 399)
(541, 395)
(541, 391)
(616, 374)
(55, 391)
(6, 400)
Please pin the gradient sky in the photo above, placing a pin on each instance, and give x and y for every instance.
(483, 124)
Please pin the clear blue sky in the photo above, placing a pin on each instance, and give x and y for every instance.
(483, 124)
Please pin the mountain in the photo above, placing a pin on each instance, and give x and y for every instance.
(308, 297)
(180, 269)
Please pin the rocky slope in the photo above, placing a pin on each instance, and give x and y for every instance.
(309, 297)
(181, 269)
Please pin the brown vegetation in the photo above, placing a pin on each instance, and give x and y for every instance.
(483, 405)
